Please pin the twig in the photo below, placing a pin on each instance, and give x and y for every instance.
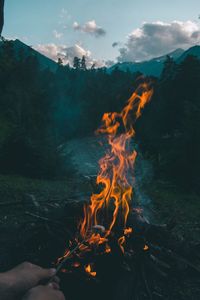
(187, 262)
(146, 284)
(159, 262)
(43, 218)
(10, 203)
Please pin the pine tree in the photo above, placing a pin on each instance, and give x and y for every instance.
(93, 66)
(77, 63)
(83, 63)
(169, 68)
(60, 61)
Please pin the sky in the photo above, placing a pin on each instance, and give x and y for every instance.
(105, 31)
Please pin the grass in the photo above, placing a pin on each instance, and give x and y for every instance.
(9, 185)
(169, 202)
(17, 194)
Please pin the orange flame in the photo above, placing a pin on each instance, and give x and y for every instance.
(114, 166)
(128, 231)
(121, 242)
(89, 270)
(108, 249)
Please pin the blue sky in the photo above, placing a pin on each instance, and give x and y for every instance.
(65, 22)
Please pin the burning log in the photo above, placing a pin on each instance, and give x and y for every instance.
(145, 259)
(140, 273)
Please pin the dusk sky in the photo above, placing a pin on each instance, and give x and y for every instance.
(103, 30)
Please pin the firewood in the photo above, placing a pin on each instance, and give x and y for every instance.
(150, 297)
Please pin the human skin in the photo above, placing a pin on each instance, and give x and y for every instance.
(16, 283)
(44, 293)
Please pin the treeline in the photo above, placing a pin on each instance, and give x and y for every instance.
(169, 130)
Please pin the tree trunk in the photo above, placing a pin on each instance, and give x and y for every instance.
(1, 15)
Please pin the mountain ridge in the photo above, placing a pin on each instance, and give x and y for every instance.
(155, 65)
(152, 67)
(44, 61)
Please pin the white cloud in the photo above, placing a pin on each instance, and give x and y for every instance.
(67, 53)
(64, 17)
(157, 38)
(64, 14)
(90, 27)
(57, 34)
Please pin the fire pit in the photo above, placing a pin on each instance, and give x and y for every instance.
(116, 252)
(152, 260)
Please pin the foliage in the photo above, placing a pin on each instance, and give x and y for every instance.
(41, 110)
(170, 127)
(28, 144)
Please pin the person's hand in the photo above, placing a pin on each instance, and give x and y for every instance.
(44, 293)
(19, 280)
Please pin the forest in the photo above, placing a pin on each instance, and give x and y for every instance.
(41, 110)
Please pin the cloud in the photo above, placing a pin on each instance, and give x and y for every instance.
(110, 63)
(115, 44)
(90, 27)
(57, 34)
(64, 14)
(67, 53)
(64, 17)
(158, 38)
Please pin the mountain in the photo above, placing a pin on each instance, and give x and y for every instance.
(195, 51)
(154, 66)
(44, 62)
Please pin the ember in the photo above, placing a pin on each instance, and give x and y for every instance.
(88, 269)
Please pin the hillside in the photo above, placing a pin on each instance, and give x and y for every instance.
(44, 62)
(154, 66)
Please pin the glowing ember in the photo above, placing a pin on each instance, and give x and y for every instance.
(121, 242)
(76, 265)
(89, 270)
(128, 231)
(108, 249)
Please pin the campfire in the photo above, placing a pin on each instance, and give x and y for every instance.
(114, 243)
(111, 251)
(107, 213)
